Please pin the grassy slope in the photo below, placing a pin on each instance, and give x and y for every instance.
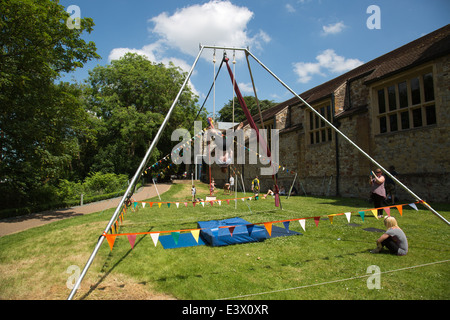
(33, 263)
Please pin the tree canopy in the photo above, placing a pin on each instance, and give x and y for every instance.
(226, 113)
(129, 99)
(39, 120)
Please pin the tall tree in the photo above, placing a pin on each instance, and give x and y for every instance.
(130, 98)
(39, 119)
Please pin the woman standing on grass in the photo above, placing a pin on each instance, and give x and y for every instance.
(394, 239)
(377, 193)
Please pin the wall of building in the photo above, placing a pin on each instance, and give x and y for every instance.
(421, 156)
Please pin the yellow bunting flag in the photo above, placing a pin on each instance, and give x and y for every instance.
(159, 204)
(331, 218)
(375, 213)
(195, 234)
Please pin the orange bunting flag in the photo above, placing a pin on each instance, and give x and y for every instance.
(111, 239)
(400, 210)
(268, 227)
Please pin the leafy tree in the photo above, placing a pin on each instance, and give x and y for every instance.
(226, 113)
(130, 98)
(40, 121)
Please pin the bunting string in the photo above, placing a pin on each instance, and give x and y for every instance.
(268, 224)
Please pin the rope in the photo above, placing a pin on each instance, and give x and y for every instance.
(333, 281)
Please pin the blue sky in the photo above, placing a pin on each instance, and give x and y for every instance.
(304, 42)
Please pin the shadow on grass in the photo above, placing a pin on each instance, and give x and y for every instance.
(108, 272)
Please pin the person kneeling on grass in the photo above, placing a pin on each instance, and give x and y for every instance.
(394, 239)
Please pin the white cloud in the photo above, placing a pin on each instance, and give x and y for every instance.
(289, 8)
(333, 28)
(246, 88)
(327, 60)
(214, 23)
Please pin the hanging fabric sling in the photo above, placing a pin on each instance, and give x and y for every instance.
(252, 124)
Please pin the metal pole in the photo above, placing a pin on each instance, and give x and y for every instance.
(290, 190)
(350, 141)
(154, 183)
(133, 181)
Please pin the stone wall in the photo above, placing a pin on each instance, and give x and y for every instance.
(420, 156)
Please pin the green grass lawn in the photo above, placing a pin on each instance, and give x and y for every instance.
(325, 262)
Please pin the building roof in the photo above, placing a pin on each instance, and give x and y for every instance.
(431, 46)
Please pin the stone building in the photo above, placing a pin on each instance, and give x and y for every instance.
(395, 108)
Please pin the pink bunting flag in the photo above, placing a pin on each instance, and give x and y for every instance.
(132, 240)
(388, 211)
(316, 220)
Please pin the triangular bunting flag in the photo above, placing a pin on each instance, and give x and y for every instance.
(151, 204)
(243, 199)
(211, 202)
(375, 213)
(220, 202)
(348, 215)
(193, 203)
(413, 205)
(135, 204)
(330, 217)
(302, 223)
(168, 204)
(286, 225)
(143, 204)
(159, 204)
(268, 227)
(185, 204)
(177, 204)
(132, 240)
(111, 239)
(400, 209)
(250, 228)
(155, 237)
(228, 201)
(361, 213)
(388, 211)
(203, 204)
(175, 236)
(316, 220)
(250, 198)
(231, 230)
(195, 234)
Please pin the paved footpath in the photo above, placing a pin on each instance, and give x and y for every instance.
(17, 224)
